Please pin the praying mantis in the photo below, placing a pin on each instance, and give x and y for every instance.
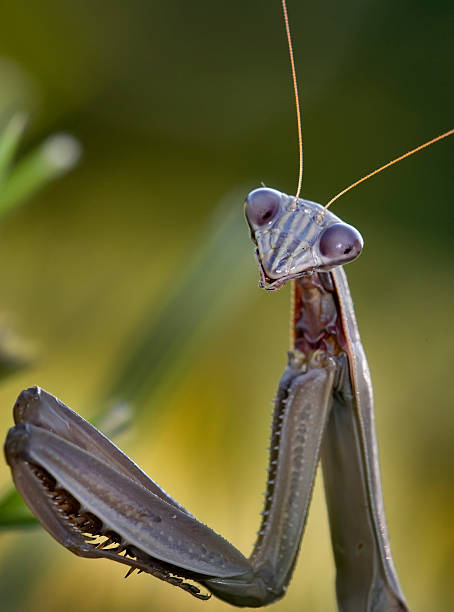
(83, 489)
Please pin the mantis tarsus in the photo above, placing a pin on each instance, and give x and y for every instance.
(98, 503)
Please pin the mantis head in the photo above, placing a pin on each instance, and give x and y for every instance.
(296, 238)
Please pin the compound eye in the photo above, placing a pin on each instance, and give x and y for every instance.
(262, 206)
(341, 243)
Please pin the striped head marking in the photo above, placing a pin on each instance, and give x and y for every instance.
(296, 239)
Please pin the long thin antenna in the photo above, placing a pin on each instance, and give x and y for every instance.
(391, 163)
(297, 103)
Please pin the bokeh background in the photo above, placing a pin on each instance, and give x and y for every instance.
(182, 107)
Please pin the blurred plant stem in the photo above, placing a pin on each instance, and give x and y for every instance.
(211, 288)
(19, 181)
(52, 158)
(9, 141)
(152, 362)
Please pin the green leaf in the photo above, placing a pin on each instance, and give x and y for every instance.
(54, 157)
(14, 513)
(9, 141)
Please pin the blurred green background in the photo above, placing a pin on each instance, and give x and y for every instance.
(182, 107)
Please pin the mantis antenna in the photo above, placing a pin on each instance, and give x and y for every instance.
(297, 104)
(300, 137)
(391, 163)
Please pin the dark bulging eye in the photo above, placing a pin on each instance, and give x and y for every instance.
(341, 242)
(262, 205)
